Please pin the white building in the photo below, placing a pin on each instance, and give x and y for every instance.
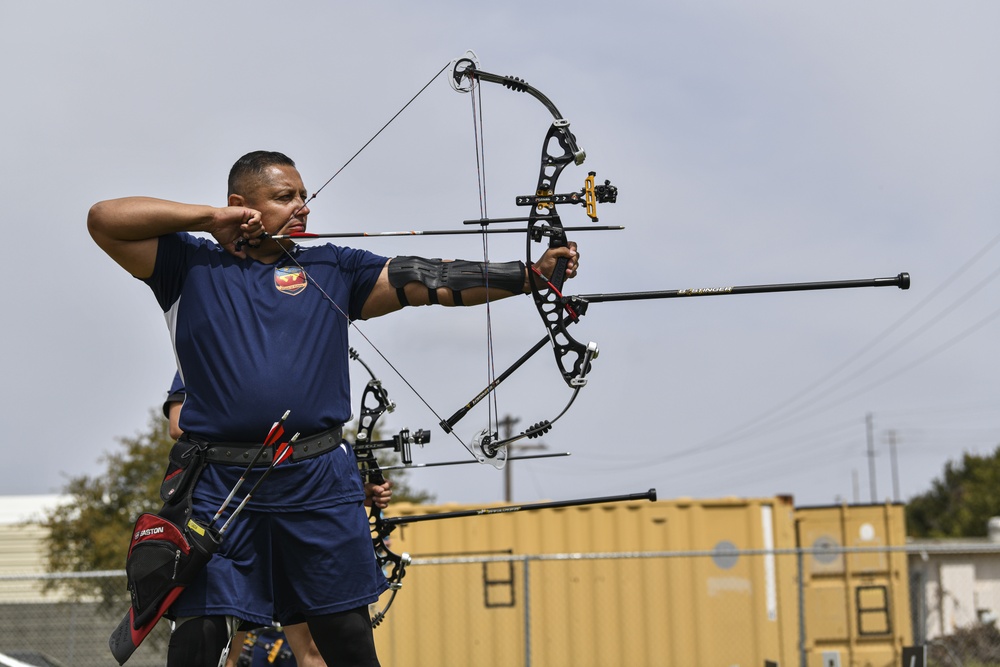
(955, 583)
(21, 545)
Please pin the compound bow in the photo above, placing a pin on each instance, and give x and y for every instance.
(559, 149)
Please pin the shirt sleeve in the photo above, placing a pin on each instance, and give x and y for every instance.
(170, 269)
(367, 267)
(175, 394)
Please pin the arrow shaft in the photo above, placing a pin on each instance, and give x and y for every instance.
(463, 462)
(399, 520)
(305, 236)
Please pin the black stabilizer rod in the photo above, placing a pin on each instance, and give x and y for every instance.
(902, 281)
(628, 497)
(579, 303)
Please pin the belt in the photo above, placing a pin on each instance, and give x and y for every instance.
(241, 453)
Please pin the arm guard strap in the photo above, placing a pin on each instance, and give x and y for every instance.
(455, 276)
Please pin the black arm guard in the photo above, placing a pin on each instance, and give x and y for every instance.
(455, 276)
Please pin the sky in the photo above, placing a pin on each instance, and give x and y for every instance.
(751, 143)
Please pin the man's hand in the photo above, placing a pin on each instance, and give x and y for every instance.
(547, 264)
(231, 224)
(380, 494)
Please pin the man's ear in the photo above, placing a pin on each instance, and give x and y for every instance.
(237, 200)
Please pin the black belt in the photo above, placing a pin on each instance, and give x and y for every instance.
(241, 453)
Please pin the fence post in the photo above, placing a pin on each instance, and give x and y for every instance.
(800, 563)
(918, 605)
(527, 614)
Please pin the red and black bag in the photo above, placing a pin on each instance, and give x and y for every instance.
(169, 548)
(167, 551)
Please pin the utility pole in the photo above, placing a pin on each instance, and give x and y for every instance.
(871, 457)
(508, 423)
(855, 485)
(895, 466)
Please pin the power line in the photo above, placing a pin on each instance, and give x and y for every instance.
(795, 402)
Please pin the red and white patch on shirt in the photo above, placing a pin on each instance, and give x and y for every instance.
(289, 280)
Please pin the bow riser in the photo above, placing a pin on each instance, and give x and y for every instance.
(572, 356)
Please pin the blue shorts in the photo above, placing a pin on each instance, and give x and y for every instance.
(286, 565)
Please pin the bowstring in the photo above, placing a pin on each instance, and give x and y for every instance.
(373, 137)
(330, 299)
(493, 413)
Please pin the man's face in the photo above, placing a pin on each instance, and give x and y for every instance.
(280, 197)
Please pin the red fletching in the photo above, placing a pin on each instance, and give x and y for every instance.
(281, 453)
(277, 430)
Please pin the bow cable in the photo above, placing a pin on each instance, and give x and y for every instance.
(368, 340)
(493, 411)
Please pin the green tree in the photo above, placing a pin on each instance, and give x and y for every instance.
(960, 502)
(91, 533)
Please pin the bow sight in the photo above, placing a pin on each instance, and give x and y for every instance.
(588, 197)
(401, 443)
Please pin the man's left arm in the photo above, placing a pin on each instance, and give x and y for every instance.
(415, 281)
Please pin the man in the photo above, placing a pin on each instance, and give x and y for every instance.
(258, 330)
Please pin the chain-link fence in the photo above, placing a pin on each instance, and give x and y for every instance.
(65, 620)
(819, 607)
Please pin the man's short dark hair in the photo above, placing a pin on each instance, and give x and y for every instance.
(250, 168)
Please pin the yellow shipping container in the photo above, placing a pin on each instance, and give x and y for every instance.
(716, 608)
(857, 605)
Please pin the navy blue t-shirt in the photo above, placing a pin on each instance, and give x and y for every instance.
(253, 340)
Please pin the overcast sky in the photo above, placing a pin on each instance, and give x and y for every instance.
(751, 142)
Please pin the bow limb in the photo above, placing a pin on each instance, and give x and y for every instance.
(374, 403)
(380, 530)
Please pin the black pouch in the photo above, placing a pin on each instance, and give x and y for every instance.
(169, 548)
(185, 463)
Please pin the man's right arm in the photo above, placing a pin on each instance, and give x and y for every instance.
(128, 229)
(174, 420)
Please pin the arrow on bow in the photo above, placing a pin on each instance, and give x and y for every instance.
(306, 236)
